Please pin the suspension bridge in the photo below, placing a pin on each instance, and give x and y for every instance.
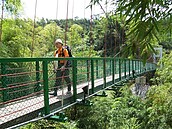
(25, 84)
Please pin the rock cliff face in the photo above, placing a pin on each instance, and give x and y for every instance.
(140, 87)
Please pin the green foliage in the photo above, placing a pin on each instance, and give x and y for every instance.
(125, 111)
(16, 37)
(109, 35)
(3, 50)
(79, 42)
(49, 124)
(19, 33)
(128, 110)
(143, 18)
(143, 12)
(164, 73)
(142, 23)
(44, 39)
(13, 6)
(165, 35)
(159, 107)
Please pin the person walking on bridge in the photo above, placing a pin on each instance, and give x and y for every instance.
(62, 70)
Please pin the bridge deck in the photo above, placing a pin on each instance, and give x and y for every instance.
(20, 108)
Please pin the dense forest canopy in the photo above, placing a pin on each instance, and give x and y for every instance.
(143, 22)
(129, 24)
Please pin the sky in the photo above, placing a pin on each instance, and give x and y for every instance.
(47, 9)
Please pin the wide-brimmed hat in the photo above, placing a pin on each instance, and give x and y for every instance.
(59, 41)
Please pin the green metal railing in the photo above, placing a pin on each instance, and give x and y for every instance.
(25, 83)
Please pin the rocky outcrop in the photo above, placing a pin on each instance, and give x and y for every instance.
(140, 87)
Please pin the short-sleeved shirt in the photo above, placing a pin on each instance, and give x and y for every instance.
(62, 52)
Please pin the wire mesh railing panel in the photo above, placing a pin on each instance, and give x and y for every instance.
(83, 75)
(98, 69)
(51, 75)
(108, 68)
(137, 66)
(123, 68)
(1, 86)
(20, 85)
(141, 66)
(109, 71)
(29, 85)
(116, 68)
(127, 65)
(99, 73)
(83, 71)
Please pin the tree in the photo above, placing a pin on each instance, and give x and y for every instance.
(165, 36)
(45, 38)
(16, 38)
(79, 42)
(142, 18)
(110, 32)
(12, 7)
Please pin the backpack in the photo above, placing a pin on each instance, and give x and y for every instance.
(69, 62)
(68, 49)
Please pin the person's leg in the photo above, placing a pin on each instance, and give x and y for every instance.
(67, 79)
(57, 82)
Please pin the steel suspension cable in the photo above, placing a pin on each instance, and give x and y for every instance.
(105, 36)
(84, 9)
(105, 45)
(72, 23)
(63, 84)
(2, 16)
(83, 36)
(55, 31)
(66, 27)
(91, 45)
(73, 9)
(115, 37)
(122, 40)
(91, 34)
(33, 36)
(116, 34)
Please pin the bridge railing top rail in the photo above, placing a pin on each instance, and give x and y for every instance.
(3, 60)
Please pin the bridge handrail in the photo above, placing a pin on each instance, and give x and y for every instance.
(22, 79)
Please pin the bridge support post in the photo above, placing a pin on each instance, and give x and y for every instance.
(129, 68)
(135, 67)
(74, 80)
(113, 71)
(138, 66)
(104, 72)
(88, 70)
(125, 68)
(4, 82)
(97, 69)
(92, 76)
(133, 72)
(45, 82)
(110, 71)
(119, 69)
